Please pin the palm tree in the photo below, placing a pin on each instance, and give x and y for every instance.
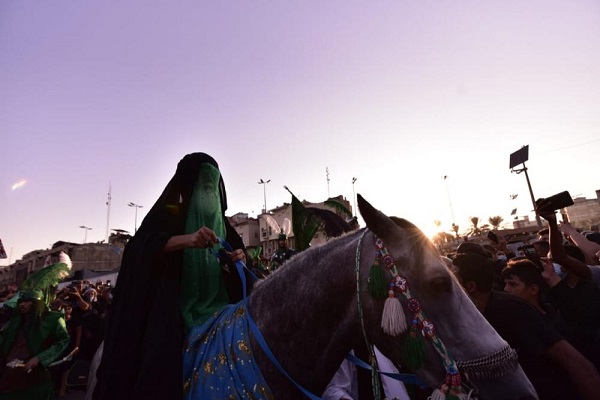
(495, 221)
(475, 231)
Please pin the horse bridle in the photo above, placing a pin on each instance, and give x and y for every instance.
(492, 366)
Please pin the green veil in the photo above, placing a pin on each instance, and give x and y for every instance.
(203, 291)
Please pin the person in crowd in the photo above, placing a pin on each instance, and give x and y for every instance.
(555, 368)
(349, 383)
(282, 254)
(560, 256)
(60, 372)
(169, 281)
(499, 262)
(523, 278)
(33, 339)
(588, 243)
(578, 303)
(543, 234)
(542, 248)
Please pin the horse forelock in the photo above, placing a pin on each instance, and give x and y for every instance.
(414, 247)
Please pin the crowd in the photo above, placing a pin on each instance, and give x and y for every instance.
(543, 298)
(86, 307)
(72, 321)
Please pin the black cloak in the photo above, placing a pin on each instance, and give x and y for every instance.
(142, 357)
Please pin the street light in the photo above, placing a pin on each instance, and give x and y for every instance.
(445, 178)
(136, 209)
(354, 195)
(264, 183)
(517, 158)
(86, 231)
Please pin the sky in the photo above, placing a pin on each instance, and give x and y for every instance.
(309, 94)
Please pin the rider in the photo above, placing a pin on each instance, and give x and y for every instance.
(283, 252)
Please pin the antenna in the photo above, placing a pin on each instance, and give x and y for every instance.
(108, 210)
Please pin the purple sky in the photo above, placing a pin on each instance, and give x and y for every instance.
(397, 94)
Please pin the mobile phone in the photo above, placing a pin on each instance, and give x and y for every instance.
(531, 254)
(493, 237)
(553, 203)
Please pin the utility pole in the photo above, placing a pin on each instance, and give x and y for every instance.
(264, 183)
(445, 177)
(108, 211)
(354, 195)
(327, 176)
(130, 204)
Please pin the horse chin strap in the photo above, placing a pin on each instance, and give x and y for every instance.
(495, 365)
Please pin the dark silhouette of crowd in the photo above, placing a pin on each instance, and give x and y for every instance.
(86, 307)
(543, 298)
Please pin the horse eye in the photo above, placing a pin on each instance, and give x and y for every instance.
(441, 285)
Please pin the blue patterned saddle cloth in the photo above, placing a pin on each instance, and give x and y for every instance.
(218, 362)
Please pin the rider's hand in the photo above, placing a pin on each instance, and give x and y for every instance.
(203, 238)
(237, 255)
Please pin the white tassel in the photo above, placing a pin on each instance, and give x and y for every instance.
(437, 395)
(393, 320)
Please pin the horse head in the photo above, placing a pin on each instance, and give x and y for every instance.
(460, 345)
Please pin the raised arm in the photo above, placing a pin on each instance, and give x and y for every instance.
(559, 254)
(582, 372)
(588, 247)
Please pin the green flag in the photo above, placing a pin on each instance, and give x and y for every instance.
(304, 223)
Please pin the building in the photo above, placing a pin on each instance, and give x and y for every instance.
(247, 228)
(98, 257)
(280, 218)
(584, 213)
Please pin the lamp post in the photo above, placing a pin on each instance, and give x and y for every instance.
(354, 195)
(264, 183)
(136, 210)
(519, 157)
(86, 231)
(445, 177)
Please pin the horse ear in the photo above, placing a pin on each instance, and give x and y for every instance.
(378, 222)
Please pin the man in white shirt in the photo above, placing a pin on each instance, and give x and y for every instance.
(344, 384)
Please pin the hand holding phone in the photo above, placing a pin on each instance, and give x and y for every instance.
(554, 203)
(531, 254)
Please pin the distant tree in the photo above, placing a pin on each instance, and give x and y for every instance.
(495, 221)
(442, 237)
(475, 231)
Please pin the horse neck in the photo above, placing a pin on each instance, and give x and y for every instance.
(307, 313)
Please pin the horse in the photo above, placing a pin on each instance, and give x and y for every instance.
(315, 309)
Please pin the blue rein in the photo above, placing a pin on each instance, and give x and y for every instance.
(240, 266)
